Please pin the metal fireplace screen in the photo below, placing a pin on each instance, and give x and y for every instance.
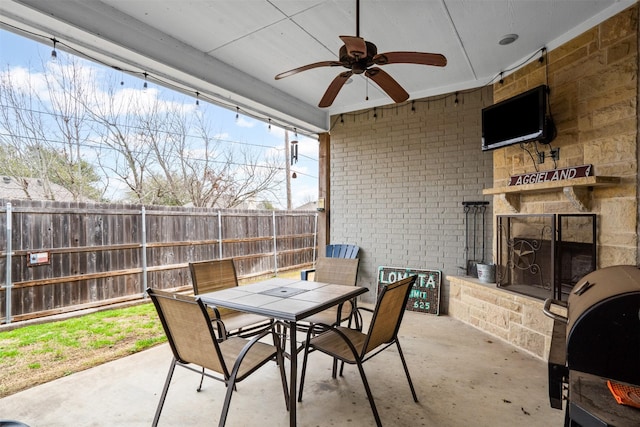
(545, 255)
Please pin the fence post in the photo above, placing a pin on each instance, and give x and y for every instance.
(219, 235)
(7, 287)
(275, 246)
(144, 249)
(315, 239)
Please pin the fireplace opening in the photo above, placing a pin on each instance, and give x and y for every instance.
(545, 255)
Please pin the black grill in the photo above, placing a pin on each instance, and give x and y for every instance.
(598, 341)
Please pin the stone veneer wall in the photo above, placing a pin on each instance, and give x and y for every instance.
(594, 101)
(517, 319)
(593, 82)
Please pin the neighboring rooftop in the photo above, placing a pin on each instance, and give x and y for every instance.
(33, 189)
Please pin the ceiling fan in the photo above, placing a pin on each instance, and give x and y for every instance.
(360, 56)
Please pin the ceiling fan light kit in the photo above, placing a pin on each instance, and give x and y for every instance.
(361, 57)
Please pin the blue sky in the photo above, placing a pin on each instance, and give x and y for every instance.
(18, 51)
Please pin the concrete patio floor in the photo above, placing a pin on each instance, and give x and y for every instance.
(463, 377)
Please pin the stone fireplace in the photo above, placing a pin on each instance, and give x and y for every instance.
(544, 255)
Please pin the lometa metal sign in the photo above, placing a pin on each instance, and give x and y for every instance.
(425, 295)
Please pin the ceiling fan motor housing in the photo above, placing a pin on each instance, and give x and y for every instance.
(358, 65)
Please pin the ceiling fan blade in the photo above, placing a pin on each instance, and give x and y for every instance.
(410, 58)
(388, 84)
(309, 67)
(356, 46)
(334, 88)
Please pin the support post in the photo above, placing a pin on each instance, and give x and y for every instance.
(7, 288)
(144, 249)
(324, 191)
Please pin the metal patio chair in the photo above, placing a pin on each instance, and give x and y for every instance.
(193, 341)
(339, 271)
(334, 251)
(354, 347)
(215, 275)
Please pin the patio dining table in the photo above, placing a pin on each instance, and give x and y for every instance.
(288, 300)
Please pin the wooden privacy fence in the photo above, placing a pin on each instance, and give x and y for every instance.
(57, 257)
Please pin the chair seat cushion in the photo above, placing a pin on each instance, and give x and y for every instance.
(258, 355)
(235, 321)
(334, 345)
(330, 315)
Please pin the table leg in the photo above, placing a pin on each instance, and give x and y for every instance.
(293, 375)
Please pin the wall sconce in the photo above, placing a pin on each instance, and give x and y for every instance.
(320, 207)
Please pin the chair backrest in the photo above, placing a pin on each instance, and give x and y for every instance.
(338, 271)
(342, 251)
(188, 329)
(388, 313)
(213, 275)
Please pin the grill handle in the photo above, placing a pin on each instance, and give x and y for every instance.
(547, 310)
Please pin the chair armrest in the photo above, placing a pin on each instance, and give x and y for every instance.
(305, 273)
(218, 323)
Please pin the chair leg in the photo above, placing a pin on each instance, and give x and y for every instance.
(304, 365)
(369, 395)
(201, 380)
(231, 384)
(163, 396)
(406, 371)
(283, 375)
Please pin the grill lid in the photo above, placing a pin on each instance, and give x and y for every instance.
(603, 331)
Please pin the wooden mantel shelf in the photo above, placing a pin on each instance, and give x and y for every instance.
(575, 190)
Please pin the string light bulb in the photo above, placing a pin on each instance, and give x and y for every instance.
(294, 175)
(413, 106)
(455, 101)
(341, 119)
(144, 86)
(54, 54)
(237, 114)
(269, 125)
(197, 99)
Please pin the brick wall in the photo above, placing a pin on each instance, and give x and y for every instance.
(398, 181)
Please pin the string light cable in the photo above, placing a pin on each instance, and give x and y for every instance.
(148, 77)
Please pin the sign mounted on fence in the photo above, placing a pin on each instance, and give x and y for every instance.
(425, 295)
(38, 258)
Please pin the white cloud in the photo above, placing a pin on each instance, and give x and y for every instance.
(243, 122)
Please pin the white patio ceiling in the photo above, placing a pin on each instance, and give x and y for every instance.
(230, 50)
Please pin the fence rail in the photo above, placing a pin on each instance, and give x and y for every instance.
(58, 256)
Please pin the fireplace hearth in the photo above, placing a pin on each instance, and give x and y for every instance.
(545, 255)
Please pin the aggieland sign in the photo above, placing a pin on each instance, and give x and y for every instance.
(551, 175)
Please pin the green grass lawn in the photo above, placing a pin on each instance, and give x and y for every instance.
(35, 354)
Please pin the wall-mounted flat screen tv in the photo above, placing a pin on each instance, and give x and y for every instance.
(521, 118)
